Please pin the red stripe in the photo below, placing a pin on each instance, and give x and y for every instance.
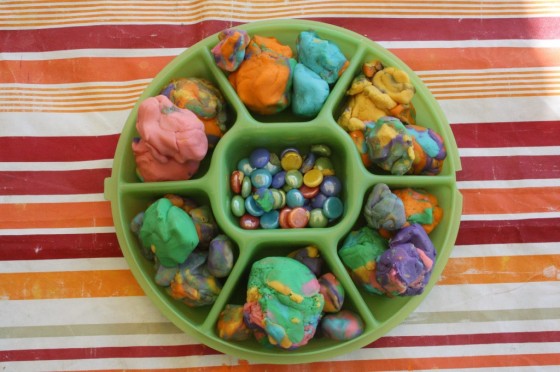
(513, 231)
(58, 148)
(46, 247)
(179, 36)
(519, 134)
(508, 168)
(85, 181)
(198, 349)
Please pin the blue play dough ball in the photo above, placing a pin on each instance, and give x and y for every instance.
(322, 56)
(309, 92)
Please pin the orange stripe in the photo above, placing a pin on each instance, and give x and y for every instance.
(478, 58)
(403, 364)
(505, 269)
(78, 110)
(77, 70)
(55, 215)
(516, 200)
(68, 284)
(114, 283)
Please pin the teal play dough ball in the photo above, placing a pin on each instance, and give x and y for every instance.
(309, 92)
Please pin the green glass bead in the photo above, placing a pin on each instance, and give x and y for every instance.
(317, 218)
(238, 205)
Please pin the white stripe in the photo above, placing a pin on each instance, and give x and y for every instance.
(510, 249)
(40, 124)
(468, 327)
(501, 296)
(97, 341)
(510, 151)
(488, 72)
(62, 265)
(502, 109)
(56, 166)
(172, 52)
(508, 184)
(70, 198)
(509, 216)
(102, 310)
(58, 231)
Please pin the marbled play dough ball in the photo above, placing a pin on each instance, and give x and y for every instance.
(310, 257)
(332, 291)
(429, 150)
(193, 284)
(405, 268)
(383, 209)
(389, 145)
(231, 324)
(230, 51)
(284, 305)
(342, 326)
(220, 256)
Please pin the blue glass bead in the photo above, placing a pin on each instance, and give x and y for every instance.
(237, 206)
(319, 200)
(270, 220)
(294, 198)
(252, 207)
(244, 166)
(246, 187)
(317, 218)
(279, 179)
(331, 186)
(264, 198)
(333, 207)
(259, 157)
(308, 163)
(261, 178)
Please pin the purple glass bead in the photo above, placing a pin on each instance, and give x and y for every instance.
(279, 179)
(259, 157)
(331, 186)
(319, 200)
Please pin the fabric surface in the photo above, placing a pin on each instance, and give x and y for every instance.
(70, 71)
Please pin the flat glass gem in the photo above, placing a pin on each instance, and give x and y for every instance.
(283, 217)
(331, 186)
(308, 163)
(237, 206)
(294, 198)
(321, 150)
(264, 198)
(261, 178)
(324, 165)
(235, 181)
(318, 200)
(313, 178)
(291, 160)
(246, 187)
(298, 217)
(252, 207)
(333, 207)
(249, 222)
(279, 197)
(270, 220)
(294, 178)
(259, 157)
(309, 192)
(317, 218)
(279, 179)
(244, 166)
(273, 165)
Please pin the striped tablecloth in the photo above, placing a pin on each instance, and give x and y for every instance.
(70, 71)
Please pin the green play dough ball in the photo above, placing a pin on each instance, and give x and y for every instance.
(170, 231)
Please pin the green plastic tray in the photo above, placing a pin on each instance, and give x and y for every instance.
(210, 185)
